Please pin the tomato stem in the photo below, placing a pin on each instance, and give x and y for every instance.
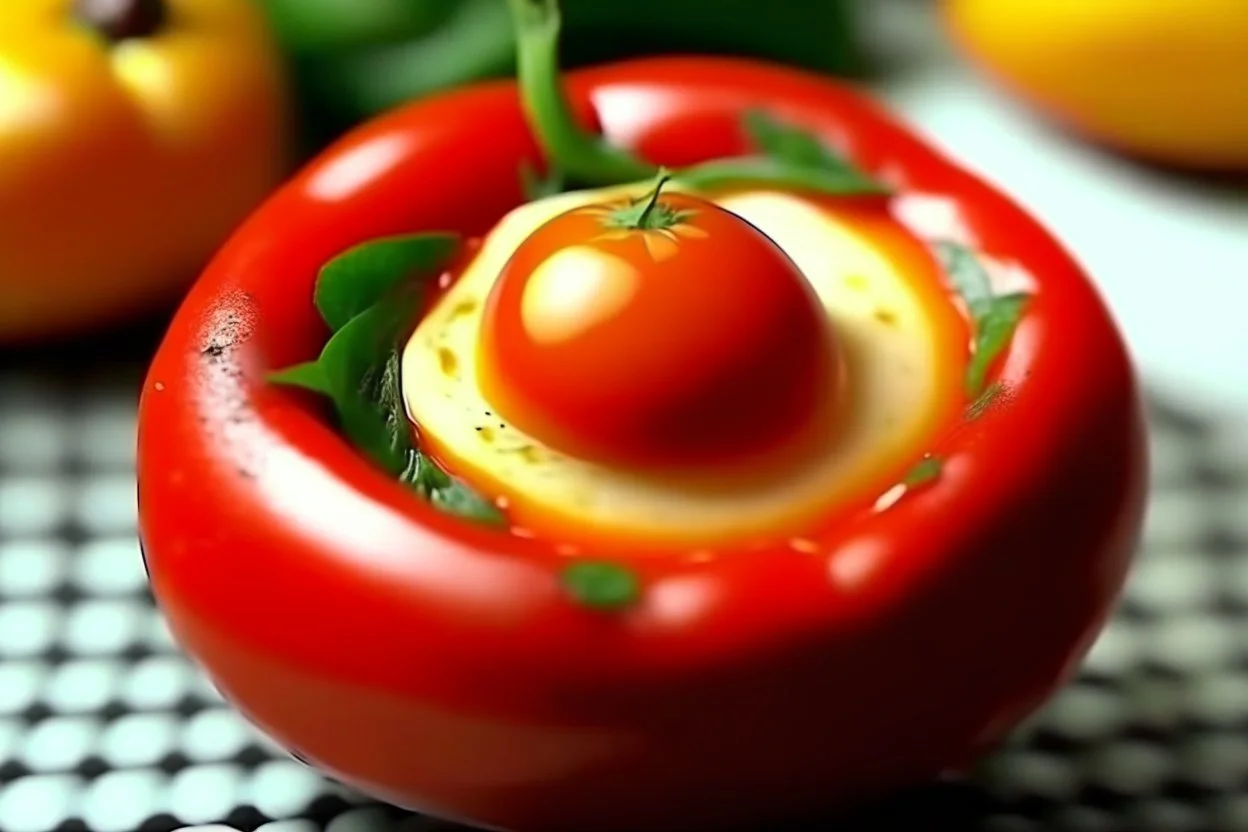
(642, 218)
(647, 213)
(575, 152)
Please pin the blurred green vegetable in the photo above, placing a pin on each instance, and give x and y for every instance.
(354, 58)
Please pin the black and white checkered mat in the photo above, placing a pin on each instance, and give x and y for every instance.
(104, 727)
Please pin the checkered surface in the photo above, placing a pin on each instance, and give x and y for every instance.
(105, 728)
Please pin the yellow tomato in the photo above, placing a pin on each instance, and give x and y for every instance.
(1161, 79)
(134, 135)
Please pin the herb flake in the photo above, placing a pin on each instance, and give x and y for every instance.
(994, 317)
(925, 471)
(601, 585)
(985, 402)
(449, 494)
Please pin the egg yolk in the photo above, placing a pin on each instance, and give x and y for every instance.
(659, 332)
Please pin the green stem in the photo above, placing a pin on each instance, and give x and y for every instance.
(578, 154)
(648, 213)
(644, 216)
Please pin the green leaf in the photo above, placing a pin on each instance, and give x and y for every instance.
(788, 158)
(815, 34)
(472, 41)
(361, 276)
(777, 173)
(790, 144)
(361, 364)
(994, 317)
(308, 375)
(449, 494)
(355, 57)
(338, 25)
(926, 470)
(427, 477)
(994, 331)
(601, 584)
(369, 296)
(536, 186)
(460, 500)
(967, 275)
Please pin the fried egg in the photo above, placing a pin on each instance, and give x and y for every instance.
(903, 346)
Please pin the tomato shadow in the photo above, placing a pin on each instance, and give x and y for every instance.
(946, 805)
(106, 361)
(950, 806)
(119, 344)
(957, 807)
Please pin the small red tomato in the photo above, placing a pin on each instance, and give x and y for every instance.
(660, 332)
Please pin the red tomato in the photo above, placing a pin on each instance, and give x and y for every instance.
(684, 338)
(443, 666)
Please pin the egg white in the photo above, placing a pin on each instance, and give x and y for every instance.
(891, 362)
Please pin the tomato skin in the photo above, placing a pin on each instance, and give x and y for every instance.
(699, 345)
(440, 665)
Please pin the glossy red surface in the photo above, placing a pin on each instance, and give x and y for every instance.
(701, 344)
(441, 666)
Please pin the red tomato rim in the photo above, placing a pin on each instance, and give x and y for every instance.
(231, 331)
